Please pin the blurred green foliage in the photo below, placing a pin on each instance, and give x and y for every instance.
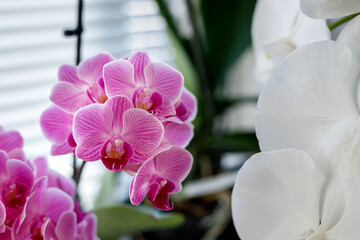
(116, 221)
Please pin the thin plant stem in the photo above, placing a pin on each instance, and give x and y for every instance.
(342, 21)
(78, 172)
(74, 167)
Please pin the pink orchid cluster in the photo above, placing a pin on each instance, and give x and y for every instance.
(36, 202)
(132, 114)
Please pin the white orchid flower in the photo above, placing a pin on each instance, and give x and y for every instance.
(310, 91)
(278, 28)
(325, 9)
(282, 195)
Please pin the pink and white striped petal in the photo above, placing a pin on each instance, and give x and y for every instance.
(91, 69)
(68, 97)
(139, 60)
(142, 130)
(119, 78)
(165, 80)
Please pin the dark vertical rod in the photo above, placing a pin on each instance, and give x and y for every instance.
(77, 31)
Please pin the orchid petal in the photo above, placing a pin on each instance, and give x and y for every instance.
(350, 35)
(2, 215)
(69, 97)
(91, 69)
(118, 104)
(139, 60)
(140, 183)
(347, 228)
(295, 110)
(337, 156)
(326, 9)
(160, 197)
(6, 235)
(190, 101)
(276, 196)
(91, 154)
(174, 164)
(165, 80)
(139, 158)
(57, 180)
(142, 130)
(10, 140)
(41, 167)
(67, 73)
(61, 149)
(132, 168)
(92, 126)
(119, 78)
(20, 172)
(179, 134)
(338, 149)
(56, 124)
(89, 232)
(17, 153)
(56, 202)
(66, 227)
(309, 30)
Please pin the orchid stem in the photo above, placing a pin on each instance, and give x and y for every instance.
(342, 21)
(77, 175)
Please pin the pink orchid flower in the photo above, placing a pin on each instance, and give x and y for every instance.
(57, 127)
(114, 131)
(178, 128)
(42, 217)
(152, 86)
(160, 176)
(82, 85)
(12, 143)
(16, 183)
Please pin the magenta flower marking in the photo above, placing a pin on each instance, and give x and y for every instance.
(154, 87)
(57, 127)
(82, 85)
(114, 131)
(160, 176)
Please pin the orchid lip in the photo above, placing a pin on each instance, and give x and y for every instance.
(14, 196)
(96, 92)
(115, 154)
(146, 99)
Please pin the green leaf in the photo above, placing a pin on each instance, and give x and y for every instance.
(226, 34)
(236, 142)
(125, 219)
